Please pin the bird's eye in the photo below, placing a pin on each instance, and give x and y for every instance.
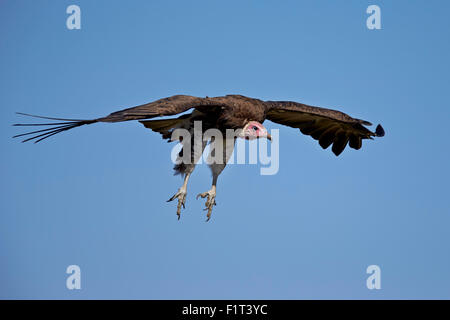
(255, 128)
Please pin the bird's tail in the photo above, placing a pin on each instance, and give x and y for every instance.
(50, 129)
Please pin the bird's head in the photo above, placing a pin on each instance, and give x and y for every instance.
(254, 130)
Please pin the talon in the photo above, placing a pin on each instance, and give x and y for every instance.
(203, 195)
(210, 201)
(181, 196)
(208, 216)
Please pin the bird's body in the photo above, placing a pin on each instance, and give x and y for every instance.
(234, 112)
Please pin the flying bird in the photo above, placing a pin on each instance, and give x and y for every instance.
(237, 112)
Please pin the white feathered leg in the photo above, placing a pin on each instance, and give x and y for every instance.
(217, 160)
(189, 167)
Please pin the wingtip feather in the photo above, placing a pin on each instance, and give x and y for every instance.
(379, 131)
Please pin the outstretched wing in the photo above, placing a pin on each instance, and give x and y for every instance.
(162, 107)
(325, 125)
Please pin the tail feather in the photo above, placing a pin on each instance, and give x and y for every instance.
(55, 127)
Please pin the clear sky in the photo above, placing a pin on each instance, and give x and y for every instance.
(96, 196)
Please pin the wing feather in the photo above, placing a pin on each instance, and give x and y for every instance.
(325, 125)
(327, 138)
(162, 107)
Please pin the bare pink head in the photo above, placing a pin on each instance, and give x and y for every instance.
(254, 130)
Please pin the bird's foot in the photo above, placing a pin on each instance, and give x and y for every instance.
(181, 196)
(210, 202)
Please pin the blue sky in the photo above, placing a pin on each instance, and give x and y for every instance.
(95, 196)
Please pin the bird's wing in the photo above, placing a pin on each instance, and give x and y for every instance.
(325, 125)
(163, 107)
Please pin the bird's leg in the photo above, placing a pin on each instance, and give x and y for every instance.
(210, 201)
(181, 195)
(220, 153)
(196, 147)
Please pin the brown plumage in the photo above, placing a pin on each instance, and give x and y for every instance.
(233, 111)
(329, 127)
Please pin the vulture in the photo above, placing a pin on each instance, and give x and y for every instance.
(237, 112)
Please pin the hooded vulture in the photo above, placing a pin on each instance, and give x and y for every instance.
(236, 112)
